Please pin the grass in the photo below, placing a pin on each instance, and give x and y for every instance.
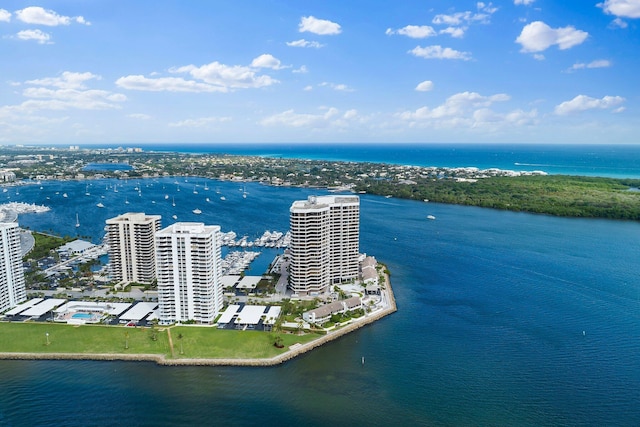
(197, 342)
(212, 343)
(85, 339)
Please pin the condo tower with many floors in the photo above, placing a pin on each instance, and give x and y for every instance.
(12, 285)
(325, 235)
(132, 247)
(188, 263)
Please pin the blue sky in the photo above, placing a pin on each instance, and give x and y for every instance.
(126, 72)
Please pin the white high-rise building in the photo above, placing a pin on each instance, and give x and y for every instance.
(188, 263)
(325, 236)
(132, 247)
(12, 286)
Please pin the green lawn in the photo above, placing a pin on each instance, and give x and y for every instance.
(31, 338)
(211, 343)
(197, 342)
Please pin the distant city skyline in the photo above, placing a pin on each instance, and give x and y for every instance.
(519, 71)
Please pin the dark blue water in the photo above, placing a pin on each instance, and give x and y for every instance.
(504, 319)
(611, 160)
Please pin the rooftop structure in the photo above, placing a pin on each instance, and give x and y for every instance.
(131, 247)
(325, 233)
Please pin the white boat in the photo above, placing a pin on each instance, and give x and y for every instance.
(206, 187)
(166, 196)
(63, 195)
(431, 217)
(174, 216)
(207, 199)
(126, 202)
(223, 198)
(77, 221)
(197, 211)
(100, 205)
(174, 201)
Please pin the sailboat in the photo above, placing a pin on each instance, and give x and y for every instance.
(174, 201)
(126, 201)
(206, 187)
(77, 221)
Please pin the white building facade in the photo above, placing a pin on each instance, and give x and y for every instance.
(12, 284)
(188, 263)
(325, 236)
(132, 247)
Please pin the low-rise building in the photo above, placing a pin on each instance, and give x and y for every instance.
(323, 313)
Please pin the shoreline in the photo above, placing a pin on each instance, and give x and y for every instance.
(294, 351)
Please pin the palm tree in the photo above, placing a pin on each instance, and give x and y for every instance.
(180, 336)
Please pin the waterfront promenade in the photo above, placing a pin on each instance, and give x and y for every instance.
(293, 351)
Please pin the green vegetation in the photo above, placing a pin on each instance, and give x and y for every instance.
(214, 343)
(86, 339)
(45, 243)
(196, 342)
(560, 195)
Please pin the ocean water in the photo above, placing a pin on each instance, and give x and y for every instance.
(610, 160)
(503, 319)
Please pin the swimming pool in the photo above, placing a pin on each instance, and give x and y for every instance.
(85, 316)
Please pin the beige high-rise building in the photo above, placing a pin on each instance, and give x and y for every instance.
(12, 285)
(132, 247)
(189, 265)
(325, 242)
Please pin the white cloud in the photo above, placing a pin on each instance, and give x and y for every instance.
(413, 31)
(67, 80)
(67, 91)
(538, 36)
(305, 43)
(523, 2)
(166, 84)
(5, 15)
(456, 105)
(200, 122)
(621, 8)
(425, 86)
(331, 118)
(227, 76)
(302, 70)
(584, 102)
(598, 63)
(470, 110)
(619, 23)
(40, 16)
(338, 87)
(438, 52)
(455, 32)
(318, 26)
(213, 77)
(482, 16)
(139, 116)
(267, 61)
(37, 35)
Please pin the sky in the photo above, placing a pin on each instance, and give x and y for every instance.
(226, 71)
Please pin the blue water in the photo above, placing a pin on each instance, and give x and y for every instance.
(82, 316)
(611, 160)
(504, 319)
(107, 167)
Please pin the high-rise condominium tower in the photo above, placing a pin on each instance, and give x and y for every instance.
(188, 262)
(12, 287)
(131, 247)
(325, 235)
